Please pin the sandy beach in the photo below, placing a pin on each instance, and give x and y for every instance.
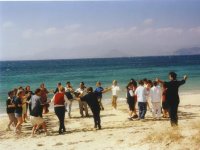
(117, 131)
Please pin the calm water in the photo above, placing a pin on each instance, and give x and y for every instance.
(21, 73)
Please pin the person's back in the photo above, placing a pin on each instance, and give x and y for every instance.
(172, 90)
(98, 91)
(141, 94)
(92, 100)
(36, 108)
(155, 94)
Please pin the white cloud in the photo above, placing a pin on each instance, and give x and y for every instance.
(72, 41)
(148, 21)
(28, 33)
(51, 30)
(8, 24)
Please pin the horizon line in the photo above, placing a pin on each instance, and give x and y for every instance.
(96, 58)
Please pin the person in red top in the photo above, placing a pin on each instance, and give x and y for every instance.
(59, 101)
(44, 93)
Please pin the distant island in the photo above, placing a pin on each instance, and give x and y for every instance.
(188, 51)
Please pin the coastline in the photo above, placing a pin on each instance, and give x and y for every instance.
(117, 131)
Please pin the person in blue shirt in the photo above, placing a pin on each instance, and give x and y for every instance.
(99, 92)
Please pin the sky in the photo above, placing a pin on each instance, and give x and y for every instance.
(94, 29)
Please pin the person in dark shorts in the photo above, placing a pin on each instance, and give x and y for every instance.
(93, 103)
(172, 96)
(18, 110)
(10, 109)
(130, 100)
(99, 91)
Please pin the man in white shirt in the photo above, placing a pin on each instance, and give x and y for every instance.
(82, 104)
(141, 93)
(156, 95)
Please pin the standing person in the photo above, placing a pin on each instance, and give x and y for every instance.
(172, 96)
(36, 112)
(68, 92)
(130, 99)
(91, 99)
(135, 97)
(148, 85)
(99, 91)
(28, 94)
(59, 101)
(115, 91)
(141, 93)
(155, 96)
(44, 93)
(82, 91)
(18, 110)
(164, 101)
(10, 109)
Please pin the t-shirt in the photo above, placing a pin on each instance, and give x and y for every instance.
(68, 93)
(83, 92)
(115, 90)
(155, 94)
(92, 101)
(130, 95)
(9, 109)
(36, 106)
(141, 92)
(172, 90)
(44, 93)
(98, 91)
(18, 109)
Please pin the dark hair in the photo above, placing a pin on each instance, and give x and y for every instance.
(82, 83)
(27, 87)
(10, 93)
(145, 80)
(129, 84)
(173, 75)
(90, 89)
(37, 91)
(68, 82)
(59, 83)
(141, 82)
(155, 83)
(134, 82)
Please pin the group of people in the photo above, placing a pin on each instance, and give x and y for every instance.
(20, 100)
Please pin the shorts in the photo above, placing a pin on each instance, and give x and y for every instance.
(12, 117)
(18, 115)
(131, 104)
(36, 120)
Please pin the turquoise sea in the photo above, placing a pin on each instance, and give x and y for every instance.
(21, 73)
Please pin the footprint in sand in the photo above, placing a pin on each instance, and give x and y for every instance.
(58, 144)
(40, 144)
(120, 141)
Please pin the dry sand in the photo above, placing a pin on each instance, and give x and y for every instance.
(117, 131)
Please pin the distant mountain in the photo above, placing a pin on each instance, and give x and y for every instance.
(114, 53)
(188, 51)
